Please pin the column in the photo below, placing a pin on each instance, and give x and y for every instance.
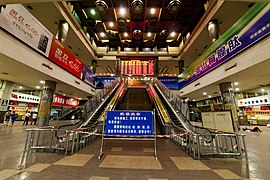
(228, 101)
(117, 67)
(94, 66)
(213, 30)
(6, 88)
(46, 103)
(181, 66)
(62, 31)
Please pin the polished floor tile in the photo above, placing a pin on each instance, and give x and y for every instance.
(117, 149)
(148, 150)
(37, 167)
(6, 173)
(226, 174)
(75, 160)
(99, 178)
(130, 162)
(187, 163)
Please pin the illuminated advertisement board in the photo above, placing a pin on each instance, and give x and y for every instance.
(137, 67)
(129, 123)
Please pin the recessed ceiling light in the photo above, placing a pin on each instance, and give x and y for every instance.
(122, 11)
(102, 34)
(256, 94)
(237, 89)
(263, 90)
(152, 10)
(111, 24)
(194, 100)
(20, 87)
(126, 34)
(38, 87)
(236, 83)
(64, 94)
(42, 82)
(204, 93)
(173, 34)
(80, 98)
(93, 12)
(209, 96)
(149, 34)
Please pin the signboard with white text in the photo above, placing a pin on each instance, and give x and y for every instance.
(15, 19)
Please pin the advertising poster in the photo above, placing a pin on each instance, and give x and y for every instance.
(170, 82)
(129, 123)
(64, 58)
(63, 101)
(16, 20)
(137, 67)
(87, 75)
(248, 30)
(103, 80)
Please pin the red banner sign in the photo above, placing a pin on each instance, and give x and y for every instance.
(137, 67)
(65, 101)
(64, 58)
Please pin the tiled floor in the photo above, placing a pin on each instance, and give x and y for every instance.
(131, 160)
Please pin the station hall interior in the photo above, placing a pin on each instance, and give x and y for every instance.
(193, 73)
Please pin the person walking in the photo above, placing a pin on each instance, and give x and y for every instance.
(27, 117)
(13, 117)
(6, 118)
(34, 118)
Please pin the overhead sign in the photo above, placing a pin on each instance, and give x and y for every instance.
(248, 30)
(170, 82)
(63, 101)
(129, 123)
(15, 96)
(260, 100)
(137, 67)
(15, 19)
(64, 58)
(103, 80)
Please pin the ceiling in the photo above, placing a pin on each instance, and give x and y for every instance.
(139, 23)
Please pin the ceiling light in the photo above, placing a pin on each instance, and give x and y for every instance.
(209, 96)
(126, 34)
(256, 94)
(237, 89)
(137, 6)
(194, 100)
(152, 10)
(111, 24)
(42, 82)
(93, 11)
(236, 83)
(20, 87)
(101, 6)
(38, 87)
(173, 34)
(102, 34)
(64, 94)
(174, 6)
(262, 90)
(149, 34)
(204, 93)
(80, 98)
(122, 11)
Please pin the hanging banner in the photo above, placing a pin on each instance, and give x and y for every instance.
(15, 19)
(248, 30)
(103, 80)
(137, 67)
(169, 82)
(129, 123)
(64, 58)
(63, 101)
(87, 75)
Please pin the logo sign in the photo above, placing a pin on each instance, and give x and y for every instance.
(64, 58)
(4, 102)
(129, 123)
(15, 19)
(65, 101)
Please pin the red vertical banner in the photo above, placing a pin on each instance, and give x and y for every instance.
(122, 68)
(134, 67)
(145, 67)
(64, 58)
(151, 67)
(126, 67)
(138, 66)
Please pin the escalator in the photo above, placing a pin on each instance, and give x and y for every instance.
(172, 115)
(138, 99)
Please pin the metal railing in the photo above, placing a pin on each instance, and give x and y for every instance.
(201, 146)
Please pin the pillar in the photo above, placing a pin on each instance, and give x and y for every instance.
(46, 103)
(62, 31)
(228, 101)
(117, 67)
(181, 66)
(94, 66)
(6, 88)
(213, 30)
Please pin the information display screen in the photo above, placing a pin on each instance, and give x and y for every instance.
(129, 123)
(137, 67)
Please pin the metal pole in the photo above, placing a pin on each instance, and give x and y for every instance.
(102, 139)
(245, 147)
(155, 133)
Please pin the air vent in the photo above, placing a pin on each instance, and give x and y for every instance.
(152, 23)
(174, 6)
(164, 34)
(137, 34)
(137, 6)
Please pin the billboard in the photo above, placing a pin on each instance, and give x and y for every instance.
(137, 67)
(103, 80)
(170, 82)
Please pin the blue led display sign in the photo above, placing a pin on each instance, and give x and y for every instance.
(129, 123)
